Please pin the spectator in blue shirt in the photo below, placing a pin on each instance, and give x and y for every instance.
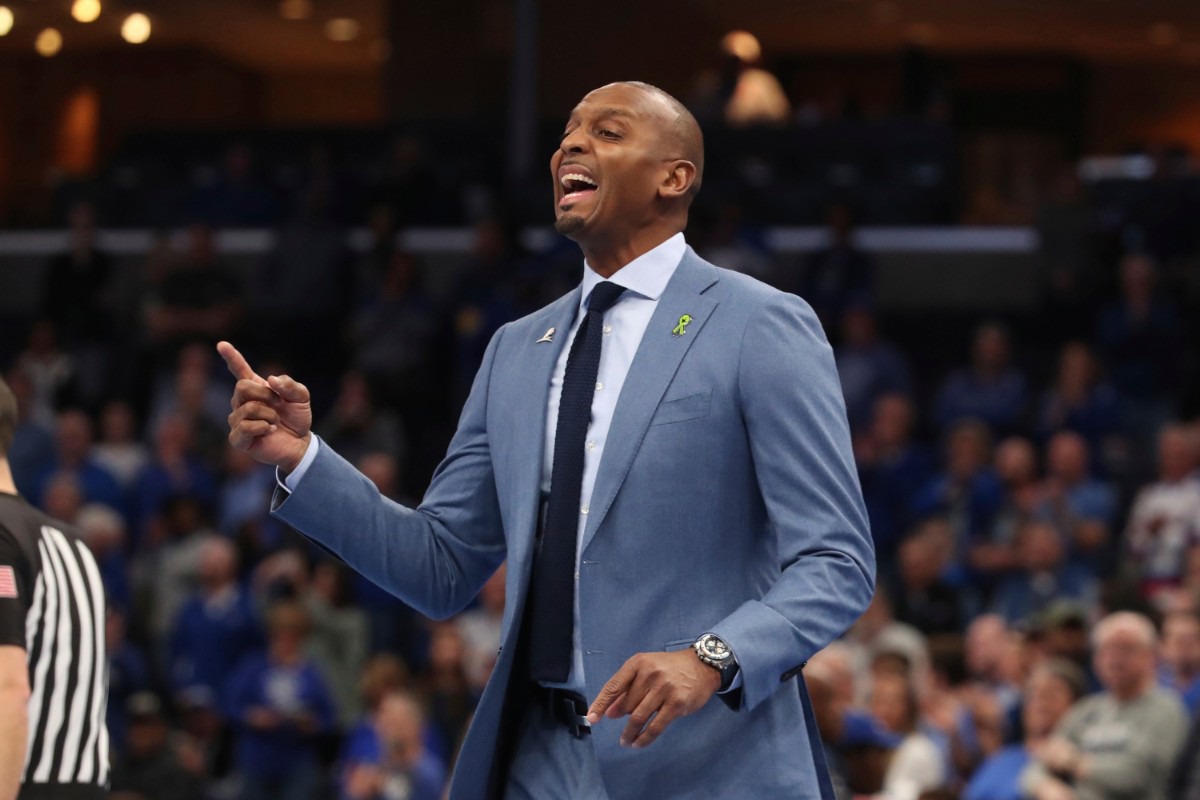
(967, 491)
(396, 762)
(1078, 400)
(892, 469)
(73, 445)
(217, 626)
(1044, 575)
(1052, 688)
(279, 705)
(991, 552)
(1180, 657)
(1084, 507)
(174, 470)
(990, 389)
(867, 366)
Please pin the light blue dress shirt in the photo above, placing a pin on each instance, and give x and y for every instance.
(644, 280)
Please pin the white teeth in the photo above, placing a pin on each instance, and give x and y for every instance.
(575, 176)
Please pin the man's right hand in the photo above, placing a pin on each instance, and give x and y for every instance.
(272, 417)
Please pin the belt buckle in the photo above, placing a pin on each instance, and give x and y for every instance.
(572, 713)
(565, 708)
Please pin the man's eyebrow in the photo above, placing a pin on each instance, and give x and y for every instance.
(601, 113)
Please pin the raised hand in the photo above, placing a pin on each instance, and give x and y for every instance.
(271, 418)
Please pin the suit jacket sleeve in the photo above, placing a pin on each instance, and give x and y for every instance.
(795, 418)
(434, 557)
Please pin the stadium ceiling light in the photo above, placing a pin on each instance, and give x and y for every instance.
(342, 29)
(6, 20)
(85, 10)
(48, 42)
(295, 9)
(136, 28)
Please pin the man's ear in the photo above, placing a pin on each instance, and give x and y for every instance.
(681, 174)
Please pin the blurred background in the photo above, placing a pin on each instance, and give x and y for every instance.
(992, 206)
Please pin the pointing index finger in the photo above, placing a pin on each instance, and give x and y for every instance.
(616, 686)
(236, 363)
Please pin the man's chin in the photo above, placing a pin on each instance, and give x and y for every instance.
(569, 224)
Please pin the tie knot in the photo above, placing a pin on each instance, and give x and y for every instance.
(604, 295)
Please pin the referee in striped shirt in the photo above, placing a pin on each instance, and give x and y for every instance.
(53, 743)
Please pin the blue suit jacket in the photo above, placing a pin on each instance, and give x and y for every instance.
(726, 501)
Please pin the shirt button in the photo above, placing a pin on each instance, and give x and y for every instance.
(577, 575)
(591, 445)
(607, 330)
(583, 510)
(599, 386)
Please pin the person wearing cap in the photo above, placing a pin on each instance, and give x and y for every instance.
(1121, 742)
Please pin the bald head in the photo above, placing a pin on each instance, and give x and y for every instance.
(681, 136)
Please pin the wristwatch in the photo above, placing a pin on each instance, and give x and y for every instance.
(712, 650)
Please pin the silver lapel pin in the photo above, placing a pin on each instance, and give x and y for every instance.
(548, 336)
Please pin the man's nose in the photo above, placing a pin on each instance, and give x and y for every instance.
(574, 142)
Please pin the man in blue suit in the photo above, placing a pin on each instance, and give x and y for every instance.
(662, 456)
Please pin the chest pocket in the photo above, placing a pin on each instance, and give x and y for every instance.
(693, 406)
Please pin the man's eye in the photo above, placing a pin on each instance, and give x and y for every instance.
(606, 133)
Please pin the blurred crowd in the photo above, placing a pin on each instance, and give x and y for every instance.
(1033, 488)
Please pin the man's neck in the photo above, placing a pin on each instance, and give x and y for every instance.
(607, 257)
(7, 485)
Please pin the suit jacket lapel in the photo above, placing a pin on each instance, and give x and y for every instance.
(654, 366)
(535, 370)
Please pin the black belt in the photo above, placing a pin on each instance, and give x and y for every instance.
(565, 707)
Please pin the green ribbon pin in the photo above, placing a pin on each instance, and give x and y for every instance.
(681, 328)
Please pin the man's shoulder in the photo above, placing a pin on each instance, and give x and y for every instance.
(737, 285)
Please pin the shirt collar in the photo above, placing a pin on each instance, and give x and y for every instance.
(647, 275)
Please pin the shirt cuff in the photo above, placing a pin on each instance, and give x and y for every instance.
(289, 483)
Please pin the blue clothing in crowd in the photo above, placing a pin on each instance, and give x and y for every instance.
(95, 482)
(210, 639)
(1021, 595)
(888, 488)
(998, 778)
(1096, 418)
(867, 373)
(425, 781)
(999, 402)
(1190, 694)
(156, 485)
(289, 691)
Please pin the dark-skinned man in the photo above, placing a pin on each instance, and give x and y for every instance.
(662, 457)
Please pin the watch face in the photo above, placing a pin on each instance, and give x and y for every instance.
(714, 648)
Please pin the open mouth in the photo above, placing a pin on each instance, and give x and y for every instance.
(576, 186)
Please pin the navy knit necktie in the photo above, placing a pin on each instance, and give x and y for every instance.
(553, 596)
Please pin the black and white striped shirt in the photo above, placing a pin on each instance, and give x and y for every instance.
(52, 604)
